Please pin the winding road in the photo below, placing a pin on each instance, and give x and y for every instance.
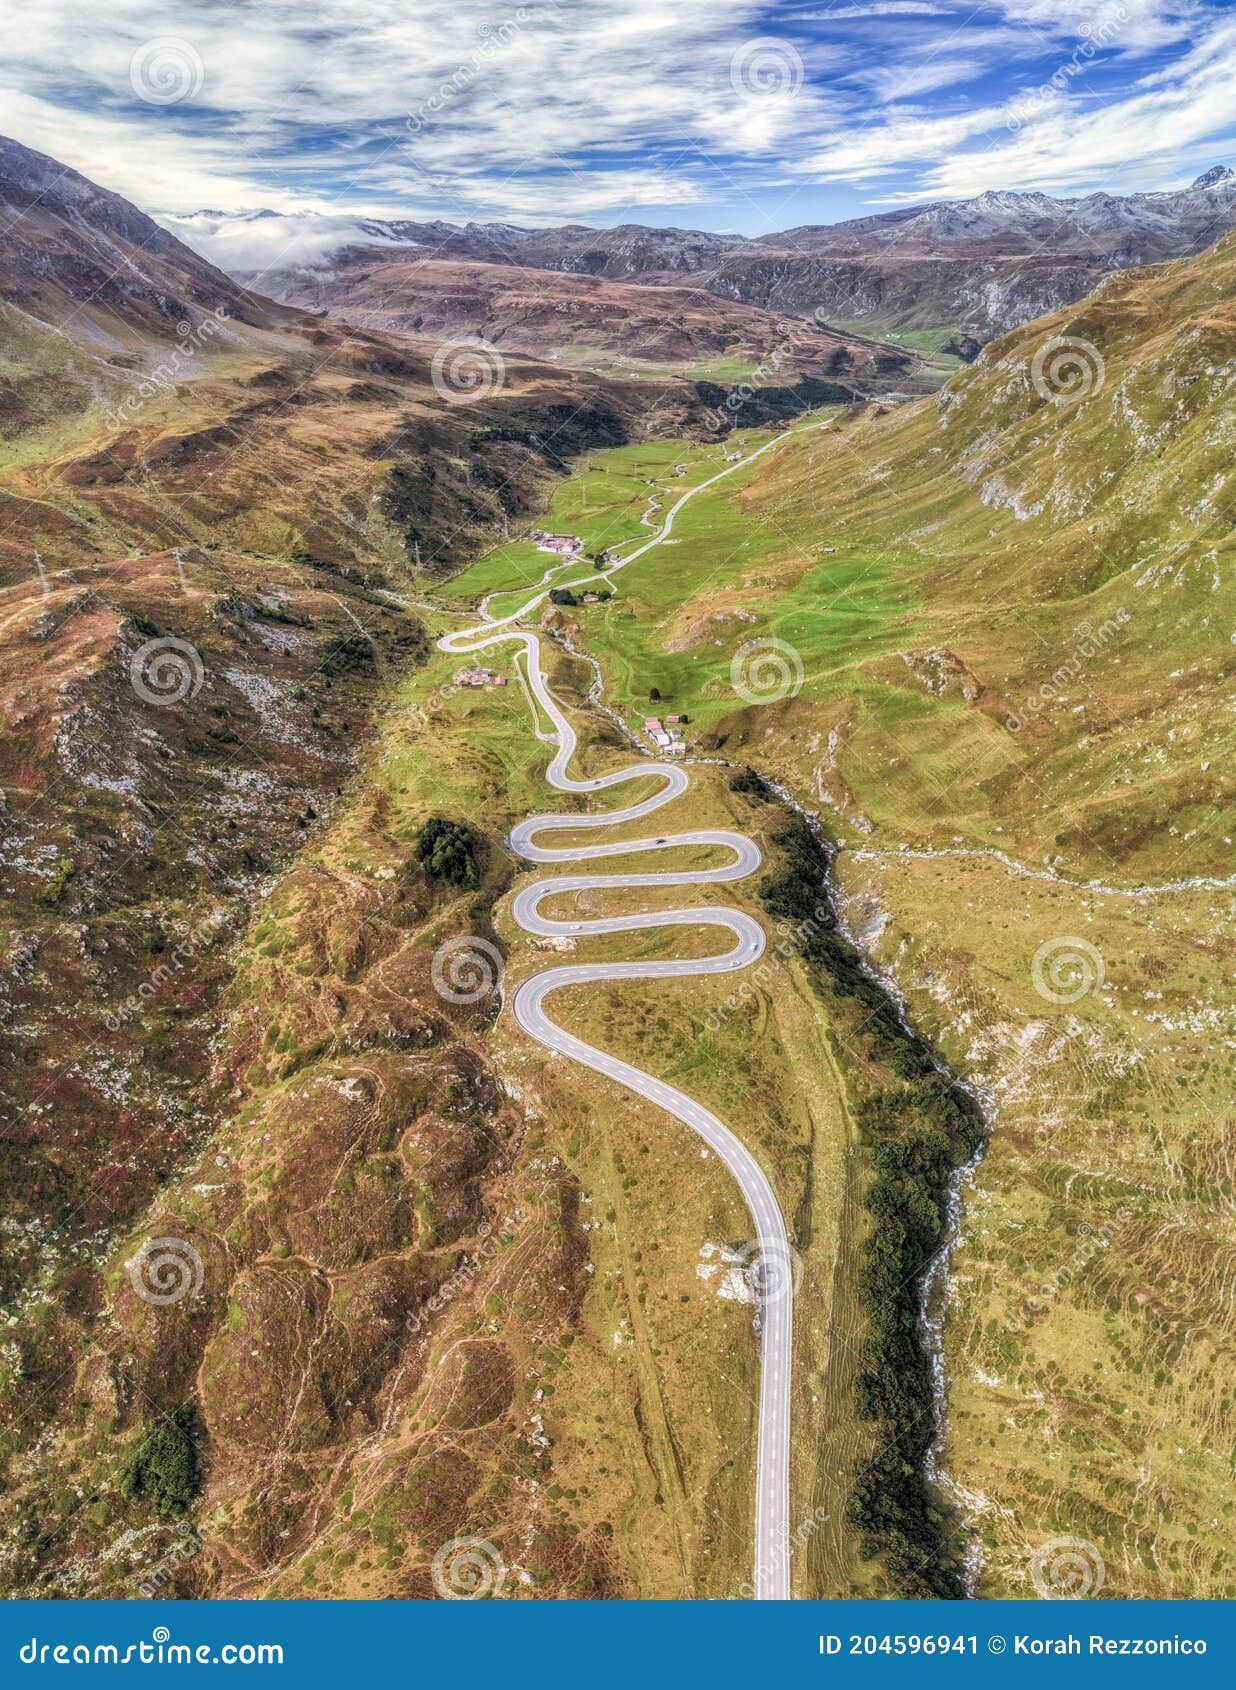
(772, 1277)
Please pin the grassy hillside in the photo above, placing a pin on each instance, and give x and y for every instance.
(1008, 616)
(205, 1032)
(1003, 623)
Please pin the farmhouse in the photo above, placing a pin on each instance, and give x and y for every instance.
(565, 544)
(479, 678)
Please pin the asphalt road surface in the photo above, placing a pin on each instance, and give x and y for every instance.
(771, 1259)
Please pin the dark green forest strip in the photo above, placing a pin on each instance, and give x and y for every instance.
(917, 1130)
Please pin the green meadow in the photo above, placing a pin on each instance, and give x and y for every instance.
(729, 573)
(603, 502)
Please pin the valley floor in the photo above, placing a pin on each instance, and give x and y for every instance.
(1077, 991)
(577, 1389)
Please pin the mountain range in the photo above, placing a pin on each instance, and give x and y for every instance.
(428, 1284)
(97, 292)
(974, 267)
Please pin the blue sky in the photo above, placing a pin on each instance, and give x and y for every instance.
(710, 113)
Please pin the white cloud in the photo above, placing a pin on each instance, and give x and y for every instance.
(583, 108)
(298, 239)
(906, 81)
(877, 9)
(152, 170)
(1130, 142)
(345, 96)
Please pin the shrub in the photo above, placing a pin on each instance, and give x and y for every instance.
(916, 1134)
(344, 652)
(755, 786)
(62, 875)
(448, 851)
(164, 1467)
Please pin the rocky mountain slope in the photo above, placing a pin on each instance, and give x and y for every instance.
(211, 510)
(1033, 774)
(582, 319)
(89, 262)
(1133, 228)
(981, 265)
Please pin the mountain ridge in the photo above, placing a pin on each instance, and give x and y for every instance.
(982, 265)
(63, 234)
